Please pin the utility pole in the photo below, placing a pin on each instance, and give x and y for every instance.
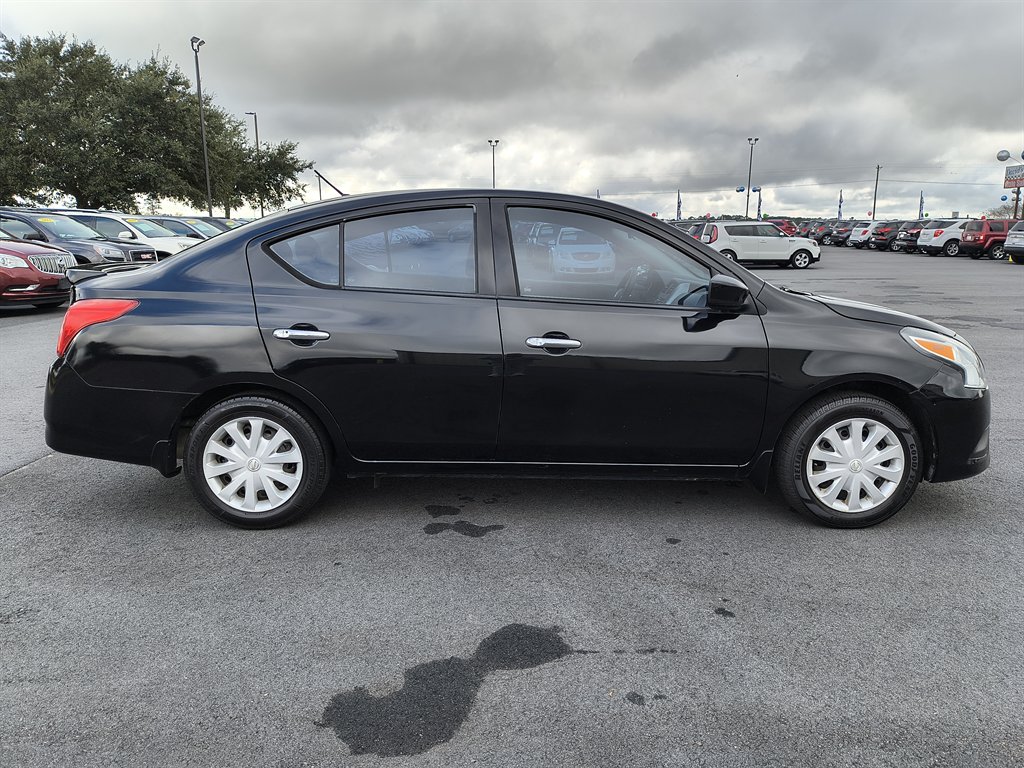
(874, 201)
(751, 140)
(259, 158)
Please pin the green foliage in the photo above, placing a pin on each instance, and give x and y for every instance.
(110, 135)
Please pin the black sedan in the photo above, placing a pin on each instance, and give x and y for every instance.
(325, 340)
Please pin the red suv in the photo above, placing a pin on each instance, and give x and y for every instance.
(785, 225)
(32, 273)
(985, 237)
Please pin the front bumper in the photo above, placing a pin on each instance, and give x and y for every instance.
(959, 421)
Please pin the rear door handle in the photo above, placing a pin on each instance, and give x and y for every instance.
(300, 334)
(545, 342)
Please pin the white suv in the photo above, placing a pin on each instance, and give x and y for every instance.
(941, 236)
(860, 236)
(758, 241)
(127, 227)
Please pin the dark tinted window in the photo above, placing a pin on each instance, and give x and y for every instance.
(175, 226)
(1018, 227)
(997, 226)
(431, 251)
(974, 226)
(769, 230)
(313, 254)
(741, 230)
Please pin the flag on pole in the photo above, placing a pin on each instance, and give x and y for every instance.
(759, 205)
(840, 204)
(920, 208)
(679, 204)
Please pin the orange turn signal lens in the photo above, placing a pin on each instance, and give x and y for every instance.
(936, 348)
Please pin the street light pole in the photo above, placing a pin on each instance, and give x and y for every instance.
(751, 140)
(493, 143)
(196, 42)
(259, 160)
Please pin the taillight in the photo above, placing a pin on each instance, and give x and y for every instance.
(937, 232)
(88, 312)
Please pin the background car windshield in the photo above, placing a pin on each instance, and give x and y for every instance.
(207, 229)
(62, 226)
(605, 258)
(149, 228)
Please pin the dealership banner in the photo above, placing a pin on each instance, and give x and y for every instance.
(1014, 177)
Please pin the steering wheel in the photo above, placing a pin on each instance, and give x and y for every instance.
(640, 284)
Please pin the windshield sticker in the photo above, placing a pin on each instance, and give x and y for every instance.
(47, 221)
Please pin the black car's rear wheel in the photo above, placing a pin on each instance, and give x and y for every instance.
(255, 462)
(849, 460)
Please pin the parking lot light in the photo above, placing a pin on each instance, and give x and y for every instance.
(196, 43)
(751, 140)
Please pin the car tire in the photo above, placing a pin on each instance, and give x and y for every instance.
(894, 246)
(826, 240)
(997, 252)
(891, 464)
(800, 260)
(729, 255)
(975, 256)
(951, 248)
(259, 471)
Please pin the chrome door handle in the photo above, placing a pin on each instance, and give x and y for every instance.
(298, 334)
(544, 342)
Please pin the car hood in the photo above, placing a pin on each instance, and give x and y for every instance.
(857, 310)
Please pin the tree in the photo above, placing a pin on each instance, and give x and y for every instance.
(1004, 211)
(110, 135)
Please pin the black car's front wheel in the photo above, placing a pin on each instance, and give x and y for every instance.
(849, 460)
(255, 462)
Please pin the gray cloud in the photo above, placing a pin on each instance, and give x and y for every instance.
(637, 99)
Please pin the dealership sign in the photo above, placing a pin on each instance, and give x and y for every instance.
(1014, 177)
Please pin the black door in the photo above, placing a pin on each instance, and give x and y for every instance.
(611, 355)
(390, 319)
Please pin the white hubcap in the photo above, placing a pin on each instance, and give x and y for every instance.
(855, 465)
(252, 464)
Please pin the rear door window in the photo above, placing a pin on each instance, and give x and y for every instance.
(997, 226)
(315, 254)
(430, 251)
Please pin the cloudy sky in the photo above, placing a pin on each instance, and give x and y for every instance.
(635, 99)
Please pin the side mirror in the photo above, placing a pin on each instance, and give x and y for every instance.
(35, 236)
(727, 293)
(124, 234)
(194, 235)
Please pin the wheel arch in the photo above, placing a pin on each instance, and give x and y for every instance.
(303, 402)
(900, 396)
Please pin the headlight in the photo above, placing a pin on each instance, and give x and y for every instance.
(106, 251)
(951, 350)
(12, 262)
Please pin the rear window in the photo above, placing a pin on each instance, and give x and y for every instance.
(741, 230)
(1018, 227)
(427, 251)
(937, 224)
(974, 226)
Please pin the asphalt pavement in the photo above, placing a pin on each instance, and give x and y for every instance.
(452, 622)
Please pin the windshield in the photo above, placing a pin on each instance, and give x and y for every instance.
(149, 228)
(201, 226)
(66, 228)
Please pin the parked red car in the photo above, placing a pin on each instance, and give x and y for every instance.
(785, 225)
(32, 273)
(986, 237)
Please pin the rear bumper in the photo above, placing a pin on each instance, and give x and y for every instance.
(932, 249)
(959, 420)
(970, 248)
(79, 421)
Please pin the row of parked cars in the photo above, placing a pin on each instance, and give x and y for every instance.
(973, 237)
(992, 238)
(38, 246)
